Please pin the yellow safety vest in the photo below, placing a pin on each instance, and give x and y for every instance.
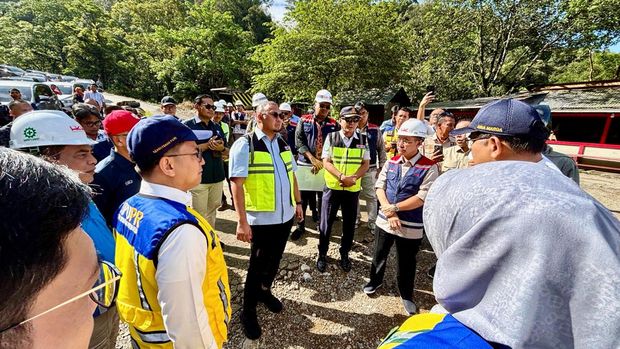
(346, 160)
(141, 226)
(389, 138)
(260, 185)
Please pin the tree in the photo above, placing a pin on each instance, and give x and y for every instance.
(334, 44)
(250, 15)
(589, 66)
(497, 46)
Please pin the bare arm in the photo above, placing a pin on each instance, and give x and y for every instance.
(428, 98)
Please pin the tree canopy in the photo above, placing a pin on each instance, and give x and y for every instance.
(465, 48)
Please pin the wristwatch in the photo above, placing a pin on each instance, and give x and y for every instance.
(396, 209)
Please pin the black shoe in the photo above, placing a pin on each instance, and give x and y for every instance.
(371, 288)
(345, 263)
(251, 328)
(271, 302)
(297, 233)
(315, 216)
(431, 272)
(321, 264)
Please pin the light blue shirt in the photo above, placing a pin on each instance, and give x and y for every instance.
(95, 226)
(238, 167)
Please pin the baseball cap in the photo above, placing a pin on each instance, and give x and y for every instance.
(323, 96)
(348, 112)
(152, 137)
(506, 117)
(119, 121)
(167, 100)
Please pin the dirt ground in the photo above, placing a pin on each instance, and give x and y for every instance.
(330, 310)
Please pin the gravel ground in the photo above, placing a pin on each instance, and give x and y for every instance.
(330, 310)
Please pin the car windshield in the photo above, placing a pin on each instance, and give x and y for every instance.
(5, 93)
(66, 90)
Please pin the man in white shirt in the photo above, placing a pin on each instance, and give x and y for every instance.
(95, 95)
(175, 282)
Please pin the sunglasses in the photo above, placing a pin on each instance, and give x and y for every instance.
(276, 114)
(209, 106)
(351, 120)
(476, 136)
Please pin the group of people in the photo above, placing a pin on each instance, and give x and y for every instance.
(525, 257)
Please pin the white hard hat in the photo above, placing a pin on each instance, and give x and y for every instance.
(238, 102)
(222, 102)
(258, 99)
(219, 108)
(285, 107)
(414, 128)
(229, 104)
(323, 96)
(47, 127)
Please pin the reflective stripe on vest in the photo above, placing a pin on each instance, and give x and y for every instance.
(346, 160)
(260, 185)
(142, 225)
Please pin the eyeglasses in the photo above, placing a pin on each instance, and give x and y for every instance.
(276, 114)
(325, 106)
(209, 106)
(93, 123)
(351, 120)
(197, 154)
(103, 293)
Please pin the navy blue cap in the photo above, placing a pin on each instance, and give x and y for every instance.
(348, 112)
(152, 137)
(506, 117)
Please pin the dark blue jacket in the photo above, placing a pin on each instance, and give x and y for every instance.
(115, 181)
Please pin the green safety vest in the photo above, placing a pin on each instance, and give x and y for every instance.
(260, 185)
(346, 160)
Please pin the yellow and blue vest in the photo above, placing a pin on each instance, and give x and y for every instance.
(260, 185)
(141, 225)
(437, 331)
(347, 160)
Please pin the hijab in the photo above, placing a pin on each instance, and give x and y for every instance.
(525, 257)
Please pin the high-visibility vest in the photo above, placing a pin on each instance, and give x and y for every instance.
(347, 161)
(390, 138)
(141, 226)
(431, 330)
(260, 186)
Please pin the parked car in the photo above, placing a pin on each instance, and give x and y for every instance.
(69, 78)
(38, 94)
(66, 98)
(15, 70)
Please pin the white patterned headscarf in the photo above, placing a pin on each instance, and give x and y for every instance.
(525, 257)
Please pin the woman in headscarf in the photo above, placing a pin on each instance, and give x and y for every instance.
(526, 259)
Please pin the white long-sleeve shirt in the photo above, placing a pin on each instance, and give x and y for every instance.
(180, 274)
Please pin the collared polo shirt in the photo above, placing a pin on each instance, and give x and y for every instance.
(213, 169)
(454, 157)
(239, 165)
(116, 180)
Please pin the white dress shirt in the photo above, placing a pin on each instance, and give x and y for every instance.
(180, 274)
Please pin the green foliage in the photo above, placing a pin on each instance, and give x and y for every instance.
(603, 66)
(334, 44)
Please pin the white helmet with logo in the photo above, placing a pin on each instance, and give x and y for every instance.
(45, 128)
(323, 96)
(414, 128)
(285, 107)
(258, 99)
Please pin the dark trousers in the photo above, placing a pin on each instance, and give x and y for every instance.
(406, 250)
(309, 198)
(332, 201)
(229, 188)
(268, 243)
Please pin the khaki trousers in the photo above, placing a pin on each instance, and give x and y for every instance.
(206, 198)
(105, 330)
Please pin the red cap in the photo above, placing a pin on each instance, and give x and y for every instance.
(119, 121)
